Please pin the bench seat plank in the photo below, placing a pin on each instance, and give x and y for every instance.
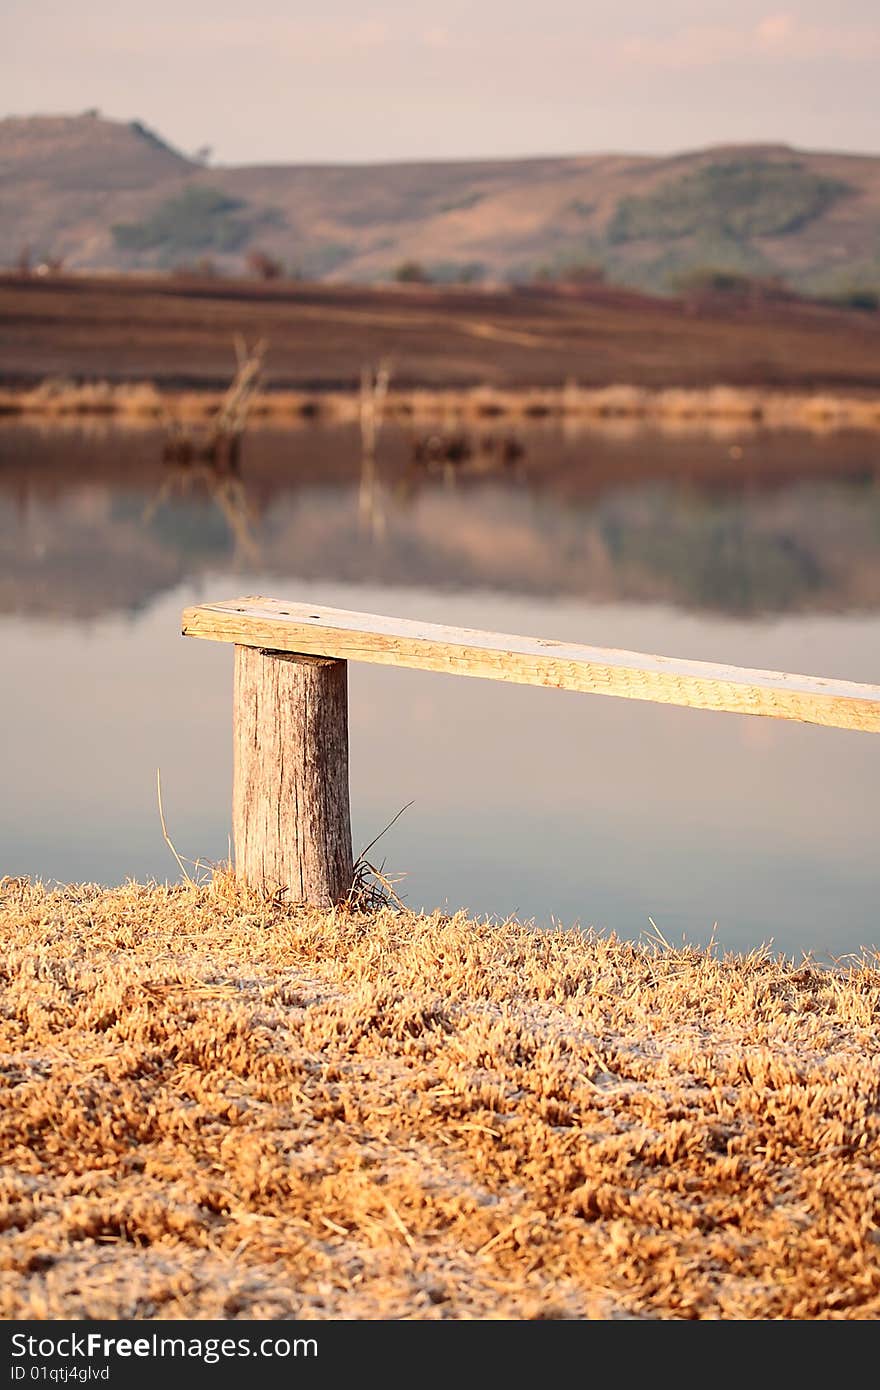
(310, 629)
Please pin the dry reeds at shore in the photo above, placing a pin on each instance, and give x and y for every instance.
(672, 408)
(215, 1107)
(218, 443)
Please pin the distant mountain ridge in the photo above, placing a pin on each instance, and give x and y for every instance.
(103, 194)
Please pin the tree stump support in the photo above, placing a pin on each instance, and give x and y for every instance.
(290, 801)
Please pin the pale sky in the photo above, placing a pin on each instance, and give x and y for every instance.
(346, 80)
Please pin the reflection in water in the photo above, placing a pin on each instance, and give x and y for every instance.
(91, 525)
(218, 478)
(447, 453)
(764, 552)
(371, 499)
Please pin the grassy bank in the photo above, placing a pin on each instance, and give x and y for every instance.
(216, 1108)
(727, 408)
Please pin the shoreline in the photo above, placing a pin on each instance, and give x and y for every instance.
(227, 1109)
(144, 403)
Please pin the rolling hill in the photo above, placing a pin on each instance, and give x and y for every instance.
(107, 195)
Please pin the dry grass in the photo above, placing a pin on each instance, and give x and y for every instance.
(218, 1108)
(58, 398)
(672, 409)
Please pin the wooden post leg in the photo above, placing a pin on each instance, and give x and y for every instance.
(290, 806)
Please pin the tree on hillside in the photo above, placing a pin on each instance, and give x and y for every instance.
(714, 283)
(412, 273)
(573, 273)
(264, 266)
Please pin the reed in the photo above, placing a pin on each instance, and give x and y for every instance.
(738, 407)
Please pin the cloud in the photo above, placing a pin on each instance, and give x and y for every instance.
(437, 37)
(688, 48)
(318, 38)
(367, 33)
(775, 30)
(777, 38)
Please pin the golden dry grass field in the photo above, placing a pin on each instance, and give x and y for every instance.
(214, 1107)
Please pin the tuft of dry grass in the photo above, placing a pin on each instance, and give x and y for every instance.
(217, 1107)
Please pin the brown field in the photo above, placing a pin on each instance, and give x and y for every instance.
(178, 336)
(219, 1108)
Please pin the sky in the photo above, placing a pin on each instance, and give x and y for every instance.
(348, 81)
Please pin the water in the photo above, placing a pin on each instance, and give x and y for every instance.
(759, 551)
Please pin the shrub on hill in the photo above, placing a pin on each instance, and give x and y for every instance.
(738, 198)
(264, 266)
(571, 273)
(856, 297)
(711, 282)
(199, 219)
(141, 130)
(411, 273)
(456, 272)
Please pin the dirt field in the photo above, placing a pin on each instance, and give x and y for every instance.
(214, 1108)
(179, 334)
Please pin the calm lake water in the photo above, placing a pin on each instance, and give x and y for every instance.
(755, 550)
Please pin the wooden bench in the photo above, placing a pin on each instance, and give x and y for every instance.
(291, 817)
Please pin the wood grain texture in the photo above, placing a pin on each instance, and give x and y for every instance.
(331, 632)
(290, 803)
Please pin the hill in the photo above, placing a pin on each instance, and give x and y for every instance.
(108, 195)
